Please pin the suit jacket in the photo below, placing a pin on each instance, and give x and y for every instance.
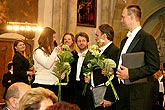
(143, 42)
(20, 68)
(133, 96)
(5, 108)
(7, 81)
(110, 52)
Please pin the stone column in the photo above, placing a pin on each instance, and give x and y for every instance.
(60, 17)
(72, 16)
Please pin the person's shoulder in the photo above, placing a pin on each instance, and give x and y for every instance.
(145, 34)
(7, 73)
(38, 51)
(114, 46)
(5, 108)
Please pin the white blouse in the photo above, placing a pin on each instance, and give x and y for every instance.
(43, 65)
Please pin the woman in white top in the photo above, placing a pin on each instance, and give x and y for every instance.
(44, 58)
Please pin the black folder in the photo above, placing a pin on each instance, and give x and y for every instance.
(131, 61)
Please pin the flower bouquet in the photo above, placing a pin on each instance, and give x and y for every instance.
(99, 61)
(62, 66)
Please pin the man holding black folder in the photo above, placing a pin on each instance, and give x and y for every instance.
(138, 59)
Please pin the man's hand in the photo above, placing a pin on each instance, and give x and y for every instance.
(111, 71)
(122, 73)
(106, 103)
(87, 79)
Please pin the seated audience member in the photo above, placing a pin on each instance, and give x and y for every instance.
(14, 94)
(8, 78)
(63, 106)
(37, 99)
(159, 102)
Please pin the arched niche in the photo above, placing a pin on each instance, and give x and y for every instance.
(149, 7)
(155, 25)
(14, 36)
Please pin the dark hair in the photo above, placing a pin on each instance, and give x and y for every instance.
(46, 40)
(16, 43)
(82, 34)
(55, 43)
(63, 106)
(108, 30)
(9, 66)
(134, 9)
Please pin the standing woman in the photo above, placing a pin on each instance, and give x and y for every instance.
(67, 91)
(68, 39)
(44, 58)
(21, 67)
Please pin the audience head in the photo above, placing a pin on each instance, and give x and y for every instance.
(14, 94)
(19, 46)
(68, 39)
(104, 32)
(131, 16)
(46, 40)
(37, 99)
(82, 40)
(10, 66)
(63, 106)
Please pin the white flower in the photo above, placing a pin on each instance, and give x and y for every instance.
(101, 42)
(94, 49)
(66, 47)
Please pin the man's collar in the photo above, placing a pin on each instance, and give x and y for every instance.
(134, 32)
(105, 46)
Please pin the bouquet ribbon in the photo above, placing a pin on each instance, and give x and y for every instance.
(110, 83)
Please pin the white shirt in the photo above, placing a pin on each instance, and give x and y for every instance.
(43, 65)
(161, 87)
(79, 64)
(11, 71)
(131, 36)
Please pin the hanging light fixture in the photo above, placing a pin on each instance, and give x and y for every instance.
(19, 26)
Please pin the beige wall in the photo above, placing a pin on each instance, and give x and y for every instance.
(61, 15)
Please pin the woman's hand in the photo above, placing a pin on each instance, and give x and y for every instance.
(30, 73)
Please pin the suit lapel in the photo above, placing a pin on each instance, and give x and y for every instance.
(107, 49)
(122, 45)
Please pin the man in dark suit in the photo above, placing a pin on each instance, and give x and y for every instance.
(75, 80)
(136, 96)
(8, 78)
(107, 48)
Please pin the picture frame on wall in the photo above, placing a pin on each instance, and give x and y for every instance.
(86, 13)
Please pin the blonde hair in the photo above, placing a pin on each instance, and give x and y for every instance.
(73, 47)
(32, 98)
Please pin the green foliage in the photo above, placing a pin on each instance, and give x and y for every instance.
(62, 65)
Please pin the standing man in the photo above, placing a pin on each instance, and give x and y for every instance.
(14, 94)
(136, 96)
(75, 78)
(104, 33)
(8, 78)
(109, 50)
